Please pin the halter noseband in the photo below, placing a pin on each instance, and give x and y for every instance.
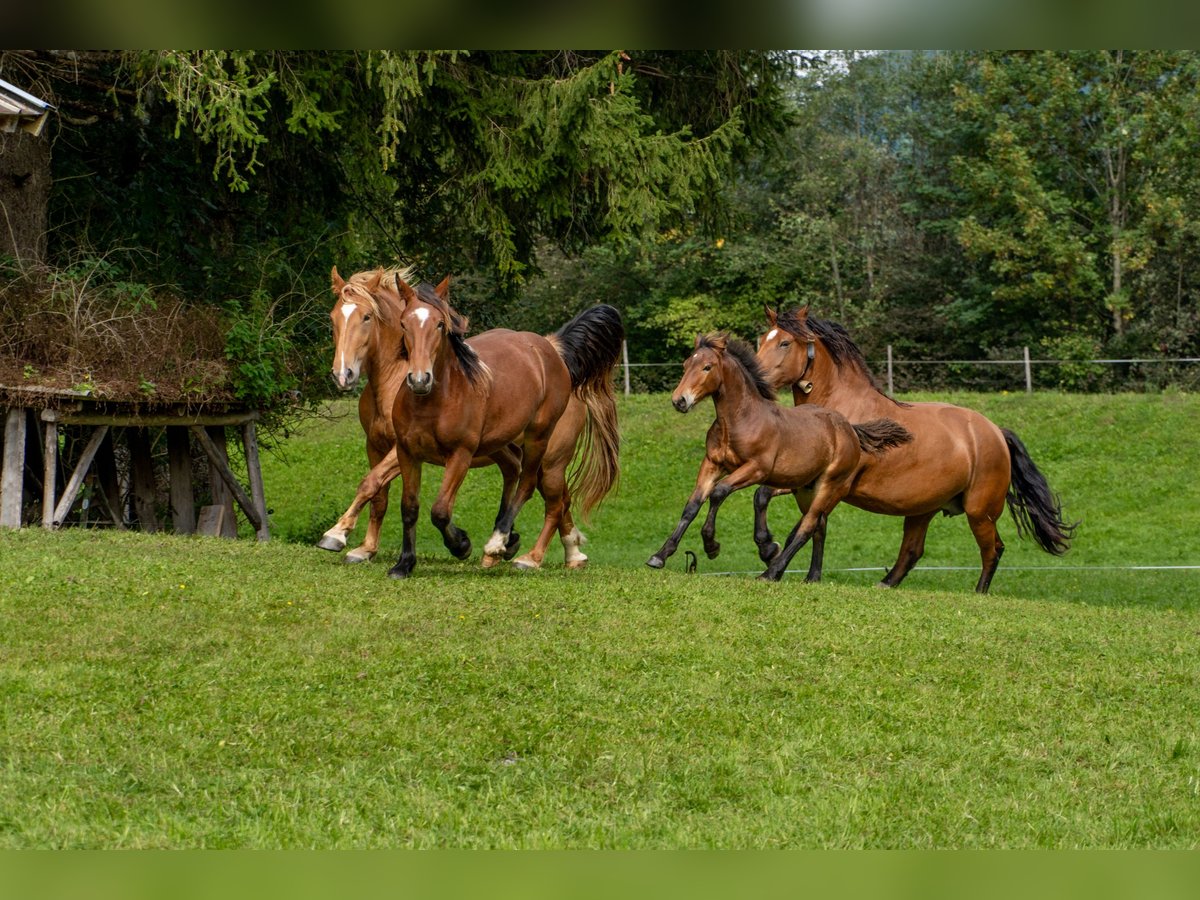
(807, 386)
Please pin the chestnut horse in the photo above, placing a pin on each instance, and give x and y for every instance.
(958, 461)
(367, 339)
(813, 451)
(461, 400)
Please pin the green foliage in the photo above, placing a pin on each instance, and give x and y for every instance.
(259, 349)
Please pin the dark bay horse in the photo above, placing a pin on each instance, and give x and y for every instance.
(462, 399)
(368, 340)
(958, 461)
(813, 451)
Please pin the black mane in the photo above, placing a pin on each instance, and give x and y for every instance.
(744, 355)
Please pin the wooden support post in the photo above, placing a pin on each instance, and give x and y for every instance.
(141, 473)
(49, 474)
(71, 491)
(254, 474)
(12, 479)
(183, 503)
(220, 462)
(1028, 374)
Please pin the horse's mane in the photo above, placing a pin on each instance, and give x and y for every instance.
(743, 354)
(836, 341)
(359, 281)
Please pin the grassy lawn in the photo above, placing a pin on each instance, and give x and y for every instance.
(158, 691)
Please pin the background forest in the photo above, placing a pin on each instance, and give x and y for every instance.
(955, 205)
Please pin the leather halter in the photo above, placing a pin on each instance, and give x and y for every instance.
(807, 386)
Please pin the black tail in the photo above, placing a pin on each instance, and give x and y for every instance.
(590, 345)
(1034, 508)
(879, 435)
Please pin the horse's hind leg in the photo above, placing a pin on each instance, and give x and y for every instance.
(991, 548)
(912, 548)
(552, 484)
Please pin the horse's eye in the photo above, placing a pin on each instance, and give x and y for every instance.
(784, 344)
(708, 368)
(366, 318)
(441, 326)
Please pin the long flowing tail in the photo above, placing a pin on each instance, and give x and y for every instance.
(590, 345)
(1034, 507)
(879, 435)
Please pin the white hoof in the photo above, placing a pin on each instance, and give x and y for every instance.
(578, 562)
(526, 562)
(359, 555)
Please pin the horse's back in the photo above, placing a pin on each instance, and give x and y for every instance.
(530, 384)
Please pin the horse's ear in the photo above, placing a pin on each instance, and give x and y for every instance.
(802, 313)
(443, 289)
(772, 316)
(336, 281)
(407, 294)
(372, 284)
(718, 341)
(699, 340)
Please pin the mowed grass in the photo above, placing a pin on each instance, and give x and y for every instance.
(172, 692)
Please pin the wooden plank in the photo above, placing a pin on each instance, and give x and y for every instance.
(71, 491)
(254, 474)
(49, 474)
(12, 479)
(109, 481)
(141, 472)
(212, 521)
(183, 503)
(219, 461)
(148, 420)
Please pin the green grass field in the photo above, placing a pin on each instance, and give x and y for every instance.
(158, 691)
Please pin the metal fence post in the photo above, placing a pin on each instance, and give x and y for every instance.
(625, 359)
(891, 387)
(1028, 374)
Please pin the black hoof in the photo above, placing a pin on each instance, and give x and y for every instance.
(462, 551)
(712, 550)
(398, 573)
(511, 547)
(768, 576)
(656, 562)
(768, 552)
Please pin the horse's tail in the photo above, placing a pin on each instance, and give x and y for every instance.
(1034, 508)
(590, 345)
(879, 435)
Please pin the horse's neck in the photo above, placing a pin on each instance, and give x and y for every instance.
(383, 366)
(846, 390)
(736, 399)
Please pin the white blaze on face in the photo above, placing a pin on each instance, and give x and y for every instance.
(771, 334)
(422, 315)
(347, 312)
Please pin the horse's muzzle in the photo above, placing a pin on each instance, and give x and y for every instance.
(420, 383)
(683, 404)
(344, 380)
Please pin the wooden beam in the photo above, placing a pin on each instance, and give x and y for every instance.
(71, 491)
(12, 479)
(141, 474)
(254, 474)
(222, 467)
(183, 502)
(109, 480)
(91, 417)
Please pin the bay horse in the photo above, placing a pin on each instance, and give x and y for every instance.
(813, 451)
(462, 399)
(958, 461)
(368, 343)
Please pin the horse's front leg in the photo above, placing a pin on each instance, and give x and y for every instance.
(378, 479)
(705, 480)
(508, 460)
(410, 510)
(743, 476)
(442, 512)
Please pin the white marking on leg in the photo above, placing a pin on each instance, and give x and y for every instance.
(496, 544)
(571, 547)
